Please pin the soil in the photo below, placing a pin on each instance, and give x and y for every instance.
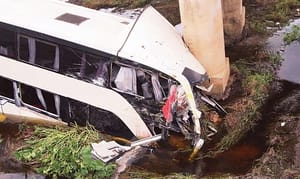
(270, 150)
(13, 138)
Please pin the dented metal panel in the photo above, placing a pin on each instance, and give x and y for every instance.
(82, 91)
(147, 77)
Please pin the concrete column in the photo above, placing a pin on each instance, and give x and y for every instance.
(234, 19)
(203, 33)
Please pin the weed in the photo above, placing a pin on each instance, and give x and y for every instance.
(282, 10)
(137, 174)
(275, 58)
(61, 152)
(97, 4)
(277, 11)
(140, 3)
(257, 85)
(293, 35)
(258, 26)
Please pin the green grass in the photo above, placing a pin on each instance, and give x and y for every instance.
(138, 174)
(64, 152)
(283, 10)
(276, 11)
(97, 4)
(258, 26)
(293, 35)
(255, 84)
(275, 58)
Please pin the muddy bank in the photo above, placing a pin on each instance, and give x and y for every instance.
(281, 113)
(11, 140)
(270, 149)
(274, 125)
(281, 127)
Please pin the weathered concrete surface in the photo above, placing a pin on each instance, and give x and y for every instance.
(203, 33)
(233, 19)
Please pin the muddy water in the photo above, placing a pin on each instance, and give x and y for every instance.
(172, 158)
(290, 68)
(241, 158)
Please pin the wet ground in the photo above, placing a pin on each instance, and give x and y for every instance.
(275, 139)
(10, 135)
(170, 159)
(273, 147)
(289, 69)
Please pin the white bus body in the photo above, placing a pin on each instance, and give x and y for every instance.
(76, 61)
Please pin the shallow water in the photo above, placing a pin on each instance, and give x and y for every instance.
(290, 67)
(240, 158)
(169, 158)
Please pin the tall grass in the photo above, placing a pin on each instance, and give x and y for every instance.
(64, 152)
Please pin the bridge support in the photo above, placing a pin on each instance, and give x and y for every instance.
(202, 22)
(234, 19)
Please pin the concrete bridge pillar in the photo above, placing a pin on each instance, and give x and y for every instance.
(202, 22)
(234, 19)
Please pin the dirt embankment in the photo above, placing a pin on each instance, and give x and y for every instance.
(278, 115)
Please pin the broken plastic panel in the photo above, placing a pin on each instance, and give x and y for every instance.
(107, 151)
(138, 82)
(126, 80)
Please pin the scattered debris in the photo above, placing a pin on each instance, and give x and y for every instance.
(157, 88)
(106, 151)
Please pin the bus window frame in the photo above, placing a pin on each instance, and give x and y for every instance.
(56, 46)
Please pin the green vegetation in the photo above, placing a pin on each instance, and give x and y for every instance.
(275, 58)
(282, 10)
(64, 152)
(138, 173)
(255, 85)
(97, 4)
(268, 14)
(257, 26)
(256, 74)
(293, 35)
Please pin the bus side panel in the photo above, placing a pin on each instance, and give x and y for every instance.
(96, 96)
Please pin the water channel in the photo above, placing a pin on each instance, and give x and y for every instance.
(283, 101)
(240, 158)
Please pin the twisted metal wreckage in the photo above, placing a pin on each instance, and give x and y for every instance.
(76, 64)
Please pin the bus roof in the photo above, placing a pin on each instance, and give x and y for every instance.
(150, 40)
(94, 29)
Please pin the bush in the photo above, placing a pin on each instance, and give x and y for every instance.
(293, 35)
(64, 152)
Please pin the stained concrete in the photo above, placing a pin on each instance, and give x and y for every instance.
(203, 33)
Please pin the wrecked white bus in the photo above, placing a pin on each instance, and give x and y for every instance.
(62, 61)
